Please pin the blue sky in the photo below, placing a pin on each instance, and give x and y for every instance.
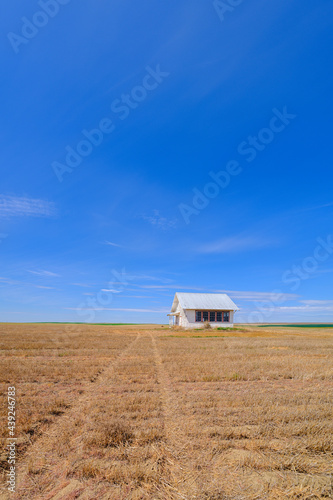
(119, 122)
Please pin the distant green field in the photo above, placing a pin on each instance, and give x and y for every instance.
(310, 325)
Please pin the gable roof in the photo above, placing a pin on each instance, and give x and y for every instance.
(212, 301)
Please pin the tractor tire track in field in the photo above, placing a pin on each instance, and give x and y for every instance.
(181, 480)
(41, 458)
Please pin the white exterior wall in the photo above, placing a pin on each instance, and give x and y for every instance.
(189, 320)
(182, 318)
(190, 314)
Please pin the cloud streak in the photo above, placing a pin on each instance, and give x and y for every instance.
(156, 220)
(317, 302)
(263, 296)
(47, 274)
(110, 243)
(14, 206)
(119, 309)
(234, 244)
(317, 207)
(307, 308)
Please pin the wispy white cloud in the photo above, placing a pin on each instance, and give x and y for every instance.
(307, 308)
(158, 221)
(14, 206)
(9, 281)
(47, 274)
(317, 302)
(139, 296)
(119, 309)
(304, 308)
(19, 283)
(235, 244)
(236, 294)
(323, 271)
(156, 287)
(84, 285)
(179, 288)
(145, 277)
(112, 244)
(263, 296)
(249, 296)
(110, 290)
(317, 207)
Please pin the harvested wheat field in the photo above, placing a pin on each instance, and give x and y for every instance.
(138, 412)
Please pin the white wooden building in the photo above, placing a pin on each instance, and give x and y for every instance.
(191, 310)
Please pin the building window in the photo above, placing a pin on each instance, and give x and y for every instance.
(197, 315)
(213, 316)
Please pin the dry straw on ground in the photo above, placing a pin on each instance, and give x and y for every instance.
(147, 413)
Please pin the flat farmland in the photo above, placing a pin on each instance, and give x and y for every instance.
(144, 412)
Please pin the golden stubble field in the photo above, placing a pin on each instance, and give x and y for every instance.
(139, 412)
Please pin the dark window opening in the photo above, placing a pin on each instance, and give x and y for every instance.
(226, 317)
(197, 315)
